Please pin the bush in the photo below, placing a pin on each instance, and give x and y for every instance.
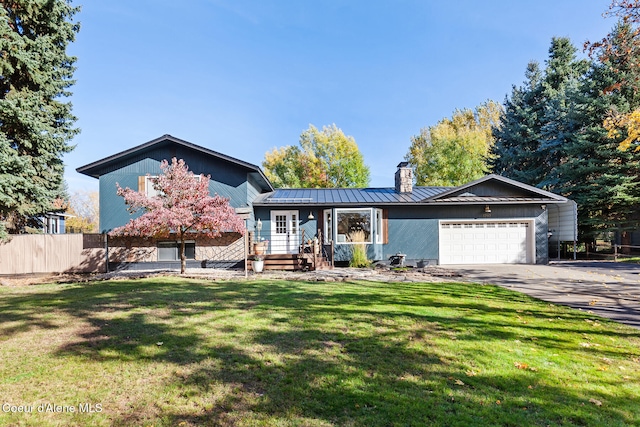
(358, 250)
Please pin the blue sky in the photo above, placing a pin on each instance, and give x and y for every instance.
(242, 77)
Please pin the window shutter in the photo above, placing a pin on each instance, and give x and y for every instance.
(385, 226)
(141, 184)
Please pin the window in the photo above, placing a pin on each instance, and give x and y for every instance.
(51, 225)
(328, 227)
(149, 190)
(170, 251)
(379, 228)
(145, 185)
(294, 224)
(353, 225)
(281, 224)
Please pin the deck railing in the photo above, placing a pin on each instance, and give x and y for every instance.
(304, 244)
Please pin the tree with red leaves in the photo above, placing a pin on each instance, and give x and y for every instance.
(182, 207)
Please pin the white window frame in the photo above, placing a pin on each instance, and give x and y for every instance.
(149, 190)
(328, 225)
(379, 229)
(339, 240)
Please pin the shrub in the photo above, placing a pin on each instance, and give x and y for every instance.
(358, 250)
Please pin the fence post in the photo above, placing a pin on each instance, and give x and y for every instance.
(615, 252)
(106, 252)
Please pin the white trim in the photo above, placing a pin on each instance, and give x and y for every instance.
(285, 242)
(530, 235)
(149, 190)
(327, 225)
(378, 223)
(341, 238)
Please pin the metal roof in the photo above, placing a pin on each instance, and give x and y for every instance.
(346, 196)
(536, 194)
(464, 194)
(482, 200)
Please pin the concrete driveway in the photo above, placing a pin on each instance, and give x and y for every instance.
(607, 289)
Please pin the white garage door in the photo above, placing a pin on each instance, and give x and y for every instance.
(486, 242)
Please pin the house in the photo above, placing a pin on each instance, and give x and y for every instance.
(239, 181)
(490, 220)
(54, 222)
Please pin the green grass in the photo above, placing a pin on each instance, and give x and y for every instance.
(631, 260)
(179, 352)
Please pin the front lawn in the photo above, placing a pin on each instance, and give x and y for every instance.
(183, 352)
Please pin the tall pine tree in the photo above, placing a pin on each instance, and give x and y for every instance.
(517, 137)
(603, 180)
(36, 125)
(539, 119)
(560, 119)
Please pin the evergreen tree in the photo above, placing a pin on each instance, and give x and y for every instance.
(540, 118)
(36, 126)
(560, 119)
(602, 179)
(517, 137)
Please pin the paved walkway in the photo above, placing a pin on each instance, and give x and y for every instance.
(607, 289)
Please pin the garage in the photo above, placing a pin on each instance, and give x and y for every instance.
(487, 242)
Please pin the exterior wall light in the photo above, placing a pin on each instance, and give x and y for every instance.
(487, 209)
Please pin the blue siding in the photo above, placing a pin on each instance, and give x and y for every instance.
(310, 227)
(414, 230)
(113, 210)
(417, 238)
(227, 180)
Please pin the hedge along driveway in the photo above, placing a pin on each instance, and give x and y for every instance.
(608, 289)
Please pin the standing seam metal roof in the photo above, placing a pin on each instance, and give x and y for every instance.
(333, 196)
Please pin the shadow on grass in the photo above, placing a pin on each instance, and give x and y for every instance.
(349, 354)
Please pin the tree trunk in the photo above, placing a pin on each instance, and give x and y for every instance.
(183, 257)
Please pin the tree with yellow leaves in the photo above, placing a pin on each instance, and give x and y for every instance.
(455, 150)
(326, 158)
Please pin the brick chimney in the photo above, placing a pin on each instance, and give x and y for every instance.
(404, 178)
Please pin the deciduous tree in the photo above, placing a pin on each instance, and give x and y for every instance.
(326, 158)
(84, 206)
(182, 207)
(456, 149)
(36, 125)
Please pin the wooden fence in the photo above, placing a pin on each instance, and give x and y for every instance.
(53, 253)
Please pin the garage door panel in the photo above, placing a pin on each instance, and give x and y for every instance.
(485, 242)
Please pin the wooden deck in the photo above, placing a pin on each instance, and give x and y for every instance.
(294, 262)
(311, 256)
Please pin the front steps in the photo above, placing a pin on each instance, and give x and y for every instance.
(294, 262)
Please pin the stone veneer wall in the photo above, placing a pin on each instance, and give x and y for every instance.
(404, 178)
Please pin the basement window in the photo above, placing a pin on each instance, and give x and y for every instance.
(170, 251)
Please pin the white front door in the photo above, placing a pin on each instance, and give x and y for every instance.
(284, 232)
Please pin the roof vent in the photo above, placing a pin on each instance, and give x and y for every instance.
(404, 178)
